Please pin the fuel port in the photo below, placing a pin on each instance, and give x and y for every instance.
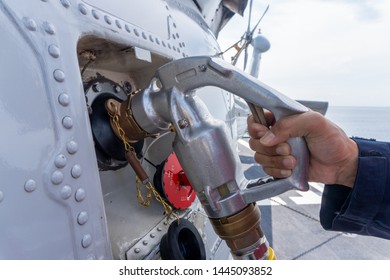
(182, 242)
(172, 183)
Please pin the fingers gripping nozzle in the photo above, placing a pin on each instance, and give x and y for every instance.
(204, 147)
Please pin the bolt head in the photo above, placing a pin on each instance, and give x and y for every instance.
(183, 123)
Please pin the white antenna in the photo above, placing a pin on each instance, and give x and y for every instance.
(260, 45)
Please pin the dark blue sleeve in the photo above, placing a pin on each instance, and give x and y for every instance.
(364, 209)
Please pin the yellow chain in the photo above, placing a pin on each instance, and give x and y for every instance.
(122, 134)
(151, 189)
(141, 200)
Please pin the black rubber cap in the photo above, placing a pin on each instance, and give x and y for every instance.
(182, 242)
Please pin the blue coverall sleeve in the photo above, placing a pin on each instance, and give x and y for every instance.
(364, 209)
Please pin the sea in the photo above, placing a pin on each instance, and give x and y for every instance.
(365, 122)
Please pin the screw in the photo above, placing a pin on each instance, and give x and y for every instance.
(202, 68)
(117, 89)
(127, 86)
(183, 123)
(97, 87)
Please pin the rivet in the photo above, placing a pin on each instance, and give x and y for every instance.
(127, 28)
(137, 250)
(65, 3)
(64, 99)
(82, 218)
(67, 122)
(91, 257)
(66, 192)
(30, 23)
(83, 9)
(60, 161)
(30, 186)
(118, 24)
(159, 229)
(57, 177)
(86, 241)
(152, 235)
(54, 51)
(76, 171)
(80, 195)
(49, 28)
(107, 19)
(165, 223)
(1, 196)
(145, 242)
(72, 147)
(59, 75)
(136, 32)
(95, 14)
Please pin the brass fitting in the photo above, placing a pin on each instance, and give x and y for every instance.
(242, 233)
(122, 113)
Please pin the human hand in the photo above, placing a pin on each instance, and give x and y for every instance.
(333, 156)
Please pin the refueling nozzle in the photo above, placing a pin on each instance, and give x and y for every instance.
(214, 169)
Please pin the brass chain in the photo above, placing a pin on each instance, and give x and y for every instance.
(150, 188)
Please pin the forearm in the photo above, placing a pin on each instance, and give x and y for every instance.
(364, 209)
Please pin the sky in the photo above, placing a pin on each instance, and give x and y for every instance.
(325, 50)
